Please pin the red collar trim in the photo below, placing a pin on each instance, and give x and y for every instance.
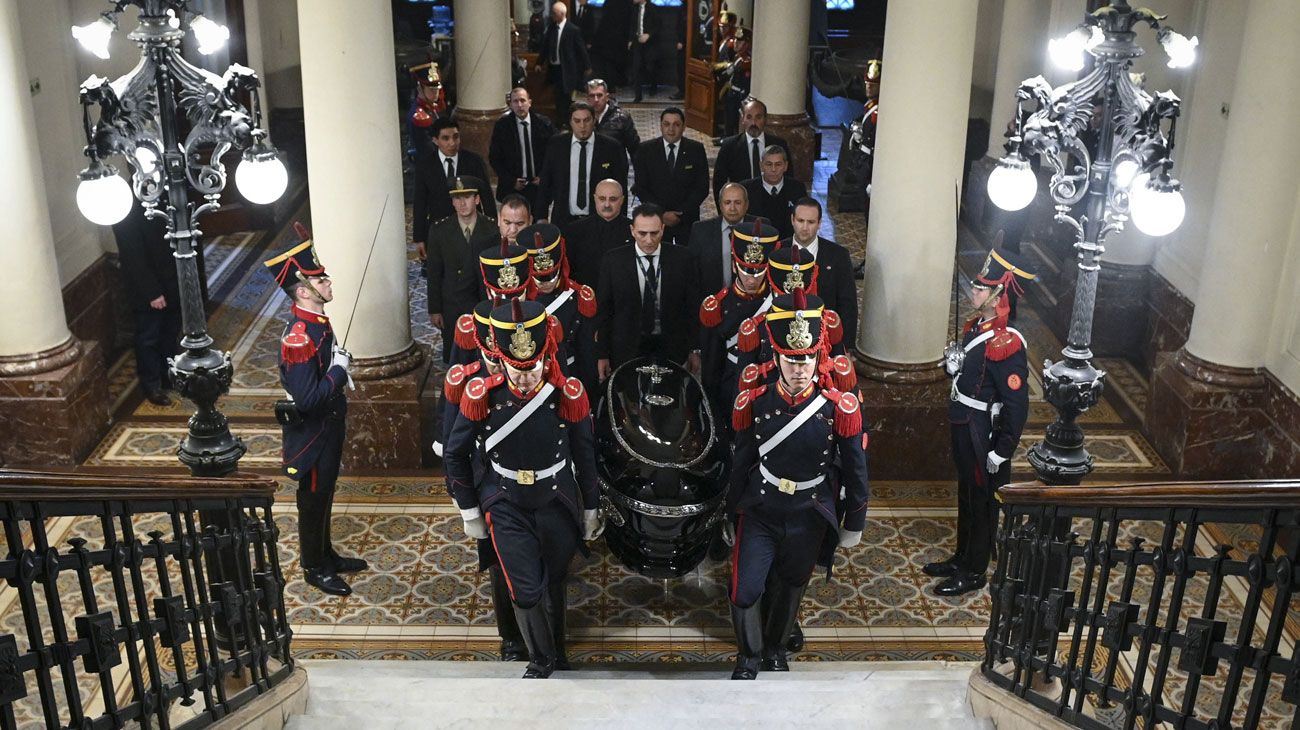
(310, 316)
(794, 400)
(746, 296)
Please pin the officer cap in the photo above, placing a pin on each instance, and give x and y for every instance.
(792, 268)
(506, 271)
(519, 332)
(794, 325)
(546, 246)
(1001, 269)
(298, 262)
(465, 185)
(751, 247)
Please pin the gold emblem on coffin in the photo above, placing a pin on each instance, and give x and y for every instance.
(753, 253)
(543, 261)
(522, 346)
(508, 277)
(527, 477)
(800, 337)
(787, 486)
(794, 280)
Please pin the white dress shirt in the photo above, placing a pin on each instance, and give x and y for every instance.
(580, 207)
(641, 257)
(771, 189)
(559, 33)
(810, 248)
(524, 143)
(455, 163)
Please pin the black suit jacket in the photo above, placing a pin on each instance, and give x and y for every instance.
(619, 302)
(682, 188)
(432, 202)
(776, 209)
(585, 20)
(455, 285)
(588, 239)
(505, 153)
(574, 60)
(836, 285)
(706, 245)
(608, 160)
(733, 160)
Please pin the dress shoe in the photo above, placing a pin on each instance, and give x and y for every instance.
(959, 584)
(775, 663)
(539, 671)
(327, 580)
(513, 651)
(942, 569)
(348, 565)
(795, 641)
(156, 395)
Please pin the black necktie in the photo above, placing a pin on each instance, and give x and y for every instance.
(773, 191)
(648, 303)
(754, 158)
(528, 152)
(451, 170)
(726, 254)
(582, 174)
(672, 155)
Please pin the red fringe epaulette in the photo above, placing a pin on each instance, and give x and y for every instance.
(453, 386)
(848, 413)
(834, 326)
(747, 339)
(1002, 346)
(711, 310)
(555, 328)
(754, 373)
(474, 404)
(742, 415)
(843, 374)
(464, 337)
(297, 346)
(573, 404)
(586, 301)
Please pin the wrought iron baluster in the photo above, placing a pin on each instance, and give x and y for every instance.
(1208, 611)
(157, 698)
(992, 639)
(1106, 556)
(61, 651)
(1109, 691)
(273, 555)
(1073, 679)
(1144, 704)
(1283, 574)
(1256, 573)
(247, 593)
(171, 614)
(195, 610)
(119, 553)
(1181, 559)
(27, 567)
(84, 562)
(216, 670)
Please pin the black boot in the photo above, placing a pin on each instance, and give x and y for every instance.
(748, 623)
(513, 648)
(782, 616)
(559, 605)
(535, 623)
(943, 568)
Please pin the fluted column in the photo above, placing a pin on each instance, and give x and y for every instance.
(780, 76)
(355, 178)
(52, 402)
(482, 69)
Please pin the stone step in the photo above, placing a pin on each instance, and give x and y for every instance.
(399, 694)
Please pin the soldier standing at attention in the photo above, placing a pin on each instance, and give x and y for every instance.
(990, 402)
(790, 437)
(313, 371)
(535, 500)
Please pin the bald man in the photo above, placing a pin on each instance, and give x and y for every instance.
(589, 238)
(564, 56)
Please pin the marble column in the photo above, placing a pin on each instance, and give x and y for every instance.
(483, 34)
(355, 178)
(1211, 393)
(911, 243)
(53, 396)
(780, 77)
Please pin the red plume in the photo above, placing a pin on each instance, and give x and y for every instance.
(516, 310)
(758, 229)
(800, 299)
(537, 241)
(794, 255)
(505, 244)
(301, 231)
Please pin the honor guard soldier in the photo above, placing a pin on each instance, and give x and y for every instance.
(989, 405)
(454, 242)
(313, 371)
(799, 444)
(535, 500)
(573, 304)
(722, 314)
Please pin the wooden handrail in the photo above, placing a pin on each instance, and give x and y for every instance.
(1244, 494)
(21, 485)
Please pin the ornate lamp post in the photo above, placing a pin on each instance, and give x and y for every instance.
(139, 119)
(1125, 175)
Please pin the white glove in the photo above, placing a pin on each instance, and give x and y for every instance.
(994, 462)
(592, 524)
(343, 359)
(849, 538)
(728, 532)
(474, 524)
(952, 357)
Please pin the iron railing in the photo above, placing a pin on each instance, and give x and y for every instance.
(164, 592)
(1149, 605)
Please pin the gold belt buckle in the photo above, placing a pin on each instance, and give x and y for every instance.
(787, 486)
(526, 477)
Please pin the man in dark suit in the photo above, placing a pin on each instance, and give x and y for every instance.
(565, 55)
(588, 239)
(574, 163)
(648, 299)
(642, 39)
(741, 157)
(152, 291)
(835, 283)
(518, 148)
(454, 245)
(673, 173)
(710, 240)
(772, 195)
(434, 166)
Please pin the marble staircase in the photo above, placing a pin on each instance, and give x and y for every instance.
(446, 694)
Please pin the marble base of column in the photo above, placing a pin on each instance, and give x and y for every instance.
(53, 405)
(905, 410)
(1119, 318)
(384, 412)
(797, 131)
(476, 128)
(1169, 321)
(1208, 421)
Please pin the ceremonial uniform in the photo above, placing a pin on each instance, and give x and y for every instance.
(540, 486)
(313, 421)
(987, 412)
(573, 305)
(784, 489)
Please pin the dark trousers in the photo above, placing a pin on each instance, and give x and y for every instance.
(534, 547)
(977, 510)
(316, 499)
(157, 334)
(563, 95)
(783, 546)
(639, 57)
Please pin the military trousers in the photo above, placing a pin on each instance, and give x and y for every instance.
(785, 546)
(534, 547)
(977, 507)
(315, 498)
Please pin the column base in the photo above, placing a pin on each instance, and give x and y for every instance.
(384, 412)
(905, 410)
(53, 405)
(798, 132)
(1169, 321)
(476, 129)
